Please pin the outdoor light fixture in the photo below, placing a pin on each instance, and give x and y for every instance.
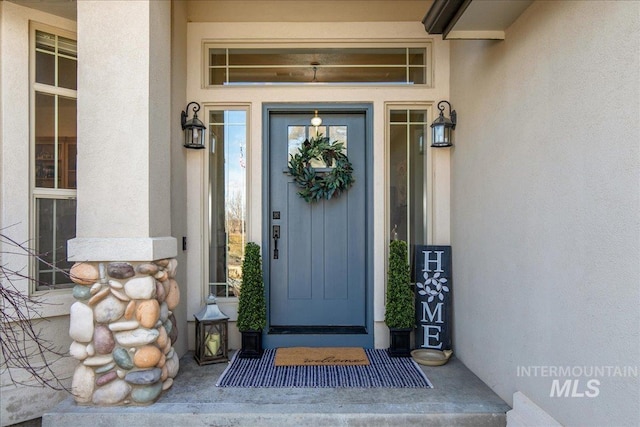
(443, 127)
(194, 128)
(316, 121)
(212, 334)
(314, 67)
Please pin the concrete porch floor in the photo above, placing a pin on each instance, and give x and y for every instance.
(458, 398)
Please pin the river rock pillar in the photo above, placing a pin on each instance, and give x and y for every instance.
(121, 323)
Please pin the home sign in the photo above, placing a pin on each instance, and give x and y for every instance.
(433, 297)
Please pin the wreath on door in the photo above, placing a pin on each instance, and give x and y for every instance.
(321, 183)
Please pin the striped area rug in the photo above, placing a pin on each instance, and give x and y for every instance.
(382, 372)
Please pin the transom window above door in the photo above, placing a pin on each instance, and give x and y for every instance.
(407, 65)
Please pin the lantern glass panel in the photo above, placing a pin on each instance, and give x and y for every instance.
(447, 136)
(438, 134)
(211, 341)
(193, 136)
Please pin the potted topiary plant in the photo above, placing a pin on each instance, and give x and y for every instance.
(252, 308)
(400, 309)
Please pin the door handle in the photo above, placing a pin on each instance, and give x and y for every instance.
(276, 237)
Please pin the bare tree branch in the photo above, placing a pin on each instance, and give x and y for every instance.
(23, 346)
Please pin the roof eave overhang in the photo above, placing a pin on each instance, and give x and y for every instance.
(443, 15)
(473, 19)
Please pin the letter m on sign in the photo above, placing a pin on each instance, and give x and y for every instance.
(430, 316)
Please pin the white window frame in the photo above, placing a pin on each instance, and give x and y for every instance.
(231, 44)
(429, 161)
(208, 107)
(40, 192)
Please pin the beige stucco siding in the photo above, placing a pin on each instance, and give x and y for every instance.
(546, 202)
(15, 403)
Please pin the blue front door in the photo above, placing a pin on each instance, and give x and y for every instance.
(318, 282)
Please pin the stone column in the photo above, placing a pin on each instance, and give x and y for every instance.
(122, 325)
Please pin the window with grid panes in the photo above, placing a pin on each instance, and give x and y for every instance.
(408, 175)
(54, 147)
(405, 65)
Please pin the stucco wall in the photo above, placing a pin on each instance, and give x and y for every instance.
(178, 160)
(545, 206)
(16, 402)
(127, 199)
(14, 183)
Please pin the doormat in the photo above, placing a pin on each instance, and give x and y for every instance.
(381, 372)
(320, 356)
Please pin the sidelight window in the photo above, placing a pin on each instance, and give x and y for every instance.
(227, 199)
(407, 175)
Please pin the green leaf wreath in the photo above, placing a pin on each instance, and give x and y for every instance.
(321, 184)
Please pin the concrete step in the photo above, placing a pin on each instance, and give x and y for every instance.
(278, 415)
(458, 398)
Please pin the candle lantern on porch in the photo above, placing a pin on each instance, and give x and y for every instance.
(212, 338)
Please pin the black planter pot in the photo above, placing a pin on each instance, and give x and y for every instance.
(400, 343)
(251, 345)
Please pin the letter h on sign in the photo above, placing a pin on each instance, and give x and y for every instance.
(433, 296)
(429, 260)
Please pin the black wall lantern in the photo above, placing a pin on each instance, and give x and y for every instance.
(194, 128)
(443, 127)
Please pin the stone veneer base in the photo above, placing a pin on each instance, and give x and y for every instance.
(123, 331)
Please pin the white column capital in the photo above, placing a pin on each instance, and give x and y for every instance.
(121, 249)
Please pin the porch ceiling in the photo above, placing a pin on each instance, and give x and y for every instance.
(306, 11)
(455, 19)
(62, 8)
(273, 10)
